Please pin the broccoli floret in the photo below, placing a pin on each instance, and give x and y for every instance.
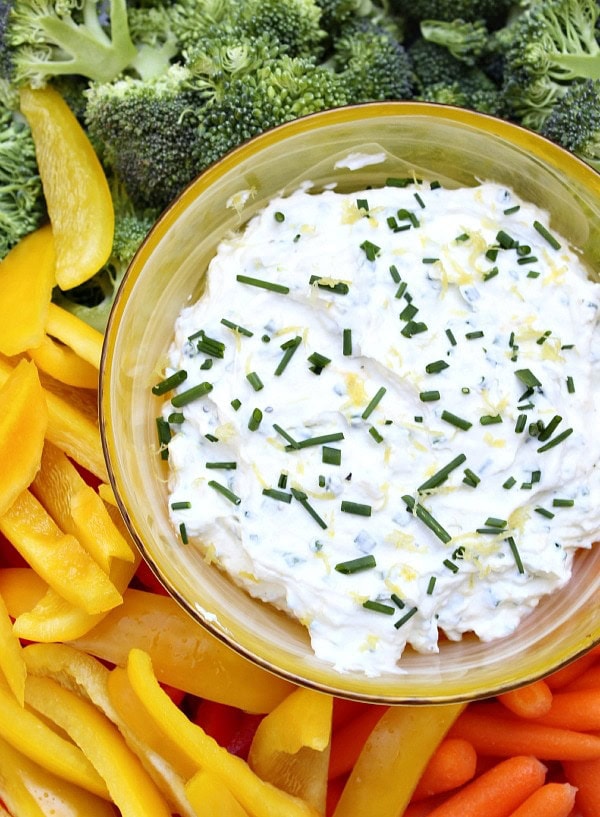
(22, 203)
(147, 133)
(41, 39)
(374, 64)
(337, 13)
(548, 47)
(466, 41)
(474, 91)
(433, 64)
(575, 121)
(93, 300)
(492, 11)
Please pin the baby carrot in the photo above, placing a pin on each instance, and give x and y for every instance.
(585, 776)
(452, 765)
(578, 710)
(590, 679)
(493, 731)
(551, 800)
(530, 701)
(497, 792)
(347, 742)
(566, 674)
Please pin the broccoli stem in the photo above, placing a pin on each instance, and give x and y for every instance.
(579, 66)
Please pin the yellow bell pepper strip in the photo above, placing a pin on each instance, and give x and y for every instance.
(393, 758)
(258, 798)
(130, 787)
(291, 746)
(51, 794)
(21, 588)
(12, 663)
(184, 654)
(77, 509)
(29, 734)
(211, 798)
(13, 790)
(23, 424)
(58, 557)
(83, 339)
(71, 425)
(63, 364)
(75, 187)
(26, 282)
(107, 494)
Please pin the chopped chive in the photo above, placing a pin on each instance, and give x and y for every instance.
(395, 274)
(282, 481)
(340, 288)
(302, 498)
(279, 216)
(235, 327)
(413, 328)
(266, 339)
(183, 533)
(255, 419)
(454, 420)
(392, 223)
(320, 440)
(176, 417)
(358, 508)
(567, 346)
(521, 423)
(164, 436)
(257, 282)
(331, 456)
(549, 430)
(471, 478)
(405, 618)
(409, 312)
(407, 215)
(488, 531)
(555, 441)
(462, 237)
(510, 210)
(429, 396)
(378, 607)
(370, 250)
(375, 434)
(190, 395)
(356, 565)
(528, 259)
(431, 585)
(398, 601)
(466, 390)
(318, 362)
(208, 363)
(289, 347)
(235, 404)
(254, 381)
(211, 438)
(491, 273)
(533, 274)
(423, 514)
(429, 260)
(492, 254)
(322, 481)
(181, 506)
(494, 522)
(490, 419)
(224, 491)
(563, 503)
(527, 377)
(347, 342)
(442, 475)
(287, 437)
(570, 385)
(544, 512)
(541, 340)
(506, 241)
(280, 496)
(170, 382)
(401, 289)
(228, 465)
(547, 235)
(451, 337)
(436, 367)
(420, 201)
(362, 204)
(418, 418)
(373, 403)
(474, 335)
(435, 185)
(451, 565)
(398, 182)
(510, 482)
(515, 552)
(210, 346)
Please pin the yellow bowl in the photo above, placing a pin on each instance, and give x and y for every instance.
(452, 145)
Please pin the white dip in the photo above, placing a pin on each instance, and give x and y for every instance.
(444, 340)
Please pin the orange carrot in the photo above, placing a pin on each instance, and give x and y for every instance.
(345, 710)
(566, 674)
(452, 764)
(498, 792)
(551, 800)
(578, 710)
(423, 808)
(530, 701)
(493, 731)
(347, 742)
(590, 679)
(585, 776)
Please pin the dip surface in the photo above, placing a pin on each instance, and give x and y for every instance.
(392, 428)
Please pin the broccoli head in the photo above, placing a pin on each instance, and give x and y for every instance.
(574, 121)
(552, 44)
(41, 39)
(493, 12)
(432, 64)
(22, 203)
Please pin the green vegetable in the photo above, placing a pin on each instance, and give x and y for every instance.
(574, 121)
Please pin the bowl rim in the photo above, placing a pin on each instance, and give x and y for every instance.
(537, 145)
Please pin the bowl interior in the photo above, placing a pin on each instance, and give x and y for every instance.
(353, 147)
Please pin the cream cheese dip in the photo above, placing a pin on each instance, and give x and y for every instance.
(381, 416)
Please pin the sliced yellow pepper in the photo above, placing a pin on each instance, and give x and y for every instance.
(58, 557)
(72, 424)
(393, 758)
(50, 794)
(75, 187)
(26, 281)
(12, 663)
(34, 738)
(291, 746)
(130, 787)
(258, 798)
(211, 798)
(23, 424)
(77, 509)
(21, 588)
(184, 654)
(63, 364)
(84, 340)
